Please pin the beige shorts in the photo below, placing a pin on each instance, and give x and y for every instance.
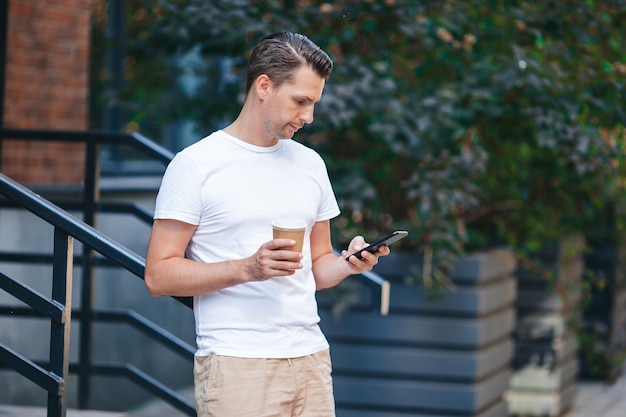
(227, 386)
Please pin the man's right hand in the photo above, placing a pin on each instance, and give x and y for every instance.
(272, 259)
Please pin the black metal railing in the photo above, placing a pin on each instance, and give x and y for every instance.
(89, 206)
(116, 255)
(98, 250)
(57, 309)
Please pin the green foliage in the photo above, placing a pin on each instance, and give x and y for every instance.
(602, 355)
(469, 123)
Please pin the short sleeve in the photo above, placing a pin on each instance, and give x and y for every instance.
(180, 194)
(329, 208)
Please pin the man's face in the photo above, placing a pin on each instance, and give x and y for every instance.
(291, 105)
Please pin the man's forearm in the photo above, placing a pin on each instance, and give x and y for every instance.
(329, 270)
(184, 277)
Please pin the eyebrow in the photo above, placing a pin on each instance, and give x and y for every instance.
(304, 98)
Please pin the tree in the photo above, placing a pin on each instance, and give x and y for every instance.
(469, 123)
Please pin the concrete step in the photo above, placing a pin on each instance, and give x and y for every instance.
(152, 408)
(27, 411)
(159, 408)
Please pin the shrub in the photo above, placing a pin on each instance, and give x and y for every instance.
(469, 123)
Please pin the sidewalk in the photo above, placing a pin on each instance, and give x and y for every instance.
(594, 399)
(598, 399)
(23, 411)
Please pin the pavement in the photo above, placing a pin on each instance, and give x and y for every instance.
(599, 399)
(24, 411)
(593, 399)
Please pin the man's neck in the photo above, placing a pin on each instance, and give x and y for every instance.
(248, 128)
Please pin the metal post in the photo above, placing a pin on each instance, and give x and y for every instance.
(60, 331)
(91, 196)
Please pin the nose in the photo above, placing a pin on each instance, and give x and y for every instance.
(307, 115)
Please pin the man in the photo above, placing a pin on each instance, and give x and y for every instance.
(260, 350)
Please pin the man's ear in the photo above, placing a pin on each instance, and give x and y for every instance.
(262, 85)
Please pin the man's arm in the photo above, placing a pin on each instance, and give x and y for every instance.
(330, 269)
(168, 272)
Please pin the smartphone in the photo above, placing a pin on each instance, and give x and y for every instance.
(383, 241)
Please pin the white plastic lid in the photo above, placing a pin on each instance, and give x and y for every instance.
(288, 223)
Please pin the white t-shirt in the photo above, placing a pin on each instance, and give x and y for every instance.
(232, 190)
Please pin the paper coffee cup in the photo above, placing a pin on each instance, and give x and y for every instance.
(290, 228)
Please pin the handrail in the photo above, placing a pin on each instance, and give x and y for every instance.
(57, 308)
(112, 316)
(69, 228)
(134, 139)
(92, 241)
(118, 316)
(380, 286)
(76, 228)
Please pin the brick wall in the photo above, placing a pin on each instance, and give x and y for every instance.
(46, 87)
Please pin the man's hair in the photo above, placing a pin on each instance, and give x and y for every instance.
(279, 55)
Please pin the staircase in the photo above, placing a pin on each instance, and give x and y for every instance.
(95, 251)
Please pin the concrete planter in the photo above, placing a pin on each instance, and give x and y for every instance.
(546, 361)
(443, 356)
